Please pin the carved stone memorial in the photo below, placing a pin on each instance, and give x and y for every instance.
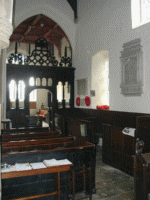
(132, 68)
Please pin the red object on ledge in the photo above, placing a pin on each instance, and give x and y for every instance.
(78, 101)
(87, 101)
(103, 107)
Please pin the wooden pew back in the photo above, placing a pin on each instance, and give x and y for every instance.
(37, 148)
(27, 136)
(25, 129)
(142, 172)
(36, 141)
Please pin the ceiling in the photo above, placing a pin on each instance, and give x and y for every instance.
(41, 26)
(38, 26)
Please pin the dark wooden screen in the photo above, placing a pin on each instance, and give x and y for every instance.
(25, 72)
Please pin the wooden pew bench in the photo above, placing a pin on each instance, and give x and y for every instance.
(78, 152)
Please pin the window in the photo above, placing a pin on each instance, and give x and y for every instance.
(100, 79)
(33, 94)
(13, 88)
(140, 12)
(59, 91)
(18, 88)
(12, 91)
(21, 91)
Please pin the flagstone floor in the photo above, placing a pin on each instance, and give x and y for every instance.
(112, 184)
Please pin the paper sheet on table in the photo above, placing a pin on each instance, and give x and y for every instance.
(5, 170)
(23, 166)
(38, 165)
(129, 131)
(12, 168)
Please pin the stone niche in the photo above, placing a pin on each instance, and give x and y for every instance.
(132, 68)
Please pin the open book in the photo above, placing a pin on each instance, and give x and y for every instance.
(37, 165)
(54, 162)
(23, 166)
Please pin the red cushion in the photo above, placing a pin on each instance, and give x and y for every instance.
(87, 101)
(78, 101)
(41, 115)
(43, 112)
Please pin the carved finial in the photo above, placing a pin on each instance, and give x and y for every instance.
(139, 146)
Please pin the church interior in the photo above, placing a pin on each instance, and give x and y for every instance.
(74, 99)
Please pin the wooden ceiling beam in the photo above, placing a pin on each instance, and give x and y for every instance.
(38, 17)
(49, 32)
(73, 4)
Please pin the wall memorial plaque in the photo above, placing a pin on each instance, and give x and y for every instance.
(132, 68)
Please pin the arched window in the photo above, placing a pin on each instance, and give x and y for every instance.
(21, 91)
(33, 94)
(59, 91)
(100, 79)
(12, 91)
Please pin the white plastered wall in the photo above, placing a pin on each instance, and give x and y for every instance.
(105, 26)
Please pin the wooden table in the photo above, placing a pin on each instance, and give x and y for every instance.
(55, 169)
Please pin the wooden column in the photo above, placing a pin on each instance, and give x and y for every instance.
(26, 101)
(72, 94)
(50, 109)
(7, 97)
(55, 103)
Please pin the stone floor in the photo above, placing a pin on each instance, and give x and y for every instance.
(112, 184)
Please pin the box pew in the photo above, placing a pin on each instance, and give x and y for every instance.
(141, 172)
(118, 149)
(84, 128)
(78, 152)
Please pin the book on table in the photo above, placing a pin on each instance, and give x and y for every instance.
(54, 162)
(38, 165)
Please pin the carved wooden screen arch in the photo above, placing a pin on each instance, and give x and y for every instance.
(47, 68)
